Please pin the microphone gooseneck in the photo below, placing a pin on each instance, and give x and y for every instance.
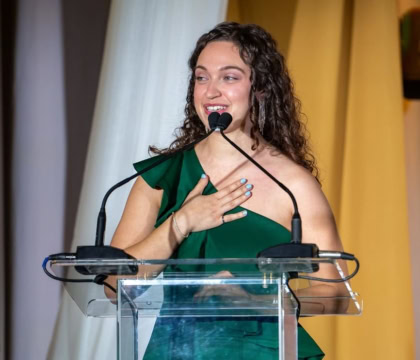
(100, 251)
(101, 223)
(295, 249)
(223, 122)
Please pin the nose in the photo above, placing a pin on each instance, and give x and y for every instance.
(212, 90)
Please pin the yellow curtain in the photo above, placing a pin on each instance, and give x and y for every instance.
(344, 59)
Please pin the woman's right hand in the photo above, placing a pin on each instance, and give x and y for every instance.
(201, 212)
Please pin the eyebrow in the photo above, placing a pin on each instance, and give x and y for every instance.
(227, 67)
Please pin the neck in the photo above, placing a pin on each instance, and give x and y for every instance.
(216, 147)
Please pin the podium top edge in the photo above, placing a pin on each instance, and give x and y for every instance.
(207, 261)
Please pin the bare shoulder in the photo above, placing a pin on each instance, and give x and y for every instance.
(141, 187)
(143, 197)
(318, 221)
(302, 183)
(298, 179)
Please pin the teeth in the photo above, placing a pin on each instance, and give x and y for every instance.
(215, 108)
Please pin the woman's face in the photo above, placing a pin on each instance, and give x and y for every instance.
(222, 83)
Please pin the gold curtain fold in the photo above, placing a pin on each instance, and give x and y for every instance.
(343, 56)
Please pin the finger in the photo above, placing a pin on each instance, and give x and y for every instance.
(221, 290)
(203, 293)
(236, 202)
(236, 216)
(223, 274)
(230, 188)
(207, 292)
(243, 190)
(199, 188)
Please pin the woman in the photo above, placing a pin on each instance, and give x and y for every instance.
(210, 201)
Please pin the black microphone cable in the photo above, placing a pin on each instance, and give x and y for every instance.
(299, 305)
(323, 254)
(336, 255)
(98, 279)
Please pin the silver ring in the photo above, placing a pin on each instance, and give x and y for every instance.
(223, 219)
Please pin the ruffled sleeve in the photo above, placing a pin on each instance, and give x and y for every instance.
(165, 176)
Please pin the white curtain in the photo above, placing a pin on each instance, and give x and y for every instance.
(140, 101)
(38, 175)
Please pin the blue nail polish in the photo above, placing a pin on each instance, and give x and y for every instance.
(203, 176)
(249, 186)
(243, 181)
(244, 213)
(248, 193)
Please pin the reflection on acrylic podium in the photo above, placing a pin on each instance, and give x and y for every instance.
(211, 308)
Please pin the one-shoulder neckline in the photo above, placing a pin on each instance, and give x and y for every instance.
(197, 160)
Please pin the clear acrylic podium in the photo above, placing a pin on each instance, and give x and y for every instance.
(199, 308)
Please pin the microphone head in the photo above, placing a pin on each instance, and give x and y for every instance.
(224, 121)
(213, 119)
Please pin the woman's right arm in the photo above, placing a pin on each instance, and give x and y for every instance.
(136, 233)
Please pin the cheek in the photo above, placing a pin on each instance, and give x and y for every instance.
(197, 102)
(197, 95)
(241, 97)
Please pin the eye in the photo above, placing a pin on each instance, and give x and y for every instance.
(230, 78)
(200, 78)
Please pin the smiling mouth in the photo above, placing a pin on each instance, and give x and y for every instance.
(215, 108)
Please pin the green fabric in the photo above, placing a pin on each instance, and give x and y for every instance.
(243, 238)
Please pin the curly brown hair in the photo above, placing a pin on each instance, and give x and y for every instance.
(282, 128)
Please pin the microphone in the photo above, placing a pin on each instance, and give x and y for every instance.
(224, 121)
(219, 122)
(213, 118)
(106, 252)
(295, 248)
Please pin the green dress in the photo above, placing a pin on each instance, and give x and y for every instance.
(205, 339)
